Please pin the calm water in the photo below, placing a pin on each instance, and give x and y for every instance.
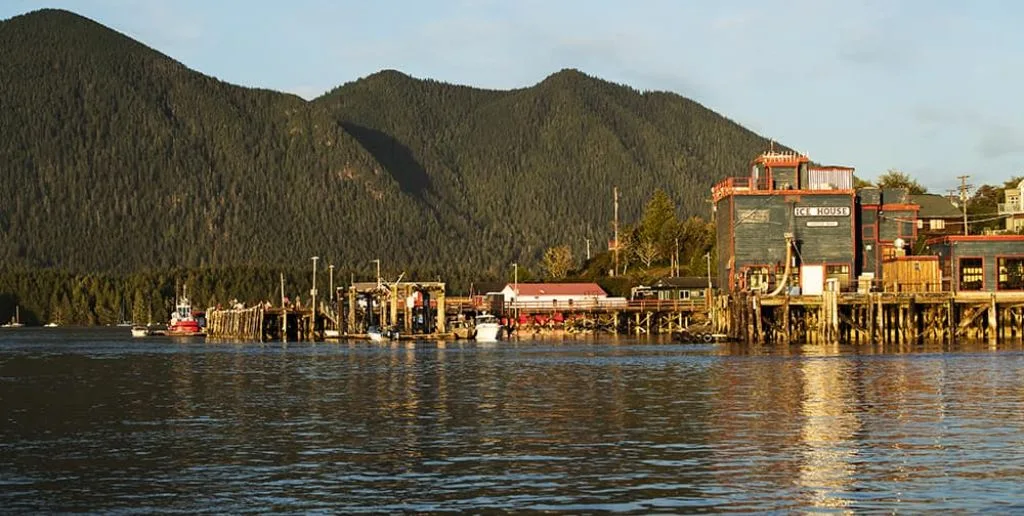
(93, 421)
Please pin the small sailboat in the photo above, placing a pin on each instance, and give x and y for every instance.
(16, 320)
(121, 318)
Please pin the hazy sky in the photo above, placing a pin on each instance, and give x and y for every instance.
(932, 87)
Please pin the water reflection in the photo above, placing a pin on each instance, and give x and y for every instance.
(830, 422)
(102, 424)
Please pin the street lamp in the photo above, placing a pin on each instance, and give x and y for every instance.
(515, 290)
(330, 267)
(313, 292)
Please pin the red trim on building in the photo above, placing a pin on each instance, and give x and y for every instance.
(974, 238)
(1001, 256)
(952, 257)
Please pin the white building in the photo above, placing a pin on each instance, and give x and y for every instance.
(554, 294)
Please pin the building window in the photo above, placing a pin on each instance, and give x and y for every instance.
(837, 270)
(920, 223)
(936, 224)
(1011, 273)
(972, 274)
(907, 230)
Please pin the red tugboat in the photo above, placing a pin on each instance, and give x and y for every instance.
(185, 322)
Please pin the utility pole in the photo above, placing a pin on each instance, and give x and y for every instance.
(588, 248)
(377, 261)
(312, 293)
(963, 198)
(615, 227)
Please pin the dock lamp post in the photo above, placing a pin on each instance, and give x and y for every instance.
(708, 296)
(330, 267)
(708, 256)
(515, 290)
(313, 291)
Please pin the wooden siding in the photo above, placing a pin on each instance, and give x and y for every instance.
(987, 250)
(912, 274)
(895, 224)
(723, 237)
(759, 224)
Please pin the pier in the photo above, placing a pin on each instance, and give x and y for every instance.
(879, 317)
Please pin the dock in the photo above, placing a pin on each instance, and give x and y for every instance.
(878, 317)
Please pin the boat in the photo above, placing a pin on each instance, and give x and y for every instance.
(51, 325)
(377, 334)
(460, 329)
(16, 320)
(140, 331)
(488, 328)
(184, 322)
(124, 322)
(332, 334)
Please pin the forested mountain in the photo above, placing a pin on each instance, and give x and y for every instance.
(116, 158)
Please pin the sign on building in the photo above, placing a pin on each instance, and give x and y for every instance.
(822, 211)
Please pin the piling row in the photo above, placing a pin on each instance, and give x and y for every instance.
(244, 323)
(888, 318)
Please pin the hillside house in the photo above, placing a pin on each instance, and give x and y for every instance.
(1012, 208)
(937, 216)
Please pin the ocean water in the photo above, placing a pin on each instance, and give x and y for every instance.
(95, 421)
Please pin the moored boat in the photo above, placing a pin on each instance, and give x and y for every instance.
(185, 322)
(16, 320)
(488, 328)
(376, 334)
(140, 331)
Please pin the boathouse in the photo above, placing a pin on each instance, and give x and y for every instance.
(981, 263)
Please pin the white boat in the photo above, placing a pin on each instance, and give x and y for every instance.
(376, 334)
(16, 320)
(140, 331)
(488, 328)
(51, 325)
(332, 334)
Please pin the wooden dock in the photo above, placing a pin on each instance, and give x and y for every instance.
(879, 317)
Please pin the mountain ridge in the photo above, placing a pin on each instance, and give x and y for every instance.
(124, 159)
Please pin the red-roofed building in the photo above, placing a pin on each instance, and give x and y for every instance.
(547, 293)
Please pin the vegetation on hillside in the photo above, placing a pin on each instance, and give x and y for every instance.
(118, 159)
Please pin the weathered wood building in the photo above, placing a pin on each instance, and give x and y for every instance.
(785, 214)
(981, 263)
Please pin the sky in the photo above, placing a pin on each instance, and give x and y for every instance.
(934, 88)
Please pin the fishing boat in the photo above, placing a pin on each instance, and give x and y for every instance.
(184, 322)
(488, 328)
(16, 320)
